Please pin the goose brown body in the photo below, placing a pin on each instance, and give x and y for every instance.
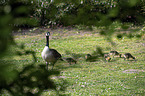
(50, 55)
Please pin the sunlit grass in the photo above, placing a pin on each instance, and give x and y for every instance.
(91, 78)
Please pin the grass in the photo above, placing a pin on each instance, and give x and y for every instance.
(117, 77)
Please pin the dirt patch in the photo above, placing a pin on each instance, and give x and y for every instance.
(55, 33)
(133, 71)
(58, 77)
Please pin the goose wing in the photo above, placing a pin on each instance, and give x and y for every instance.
(55, 53)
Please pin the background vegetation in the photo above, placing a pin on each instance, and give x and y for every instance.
(111, 18)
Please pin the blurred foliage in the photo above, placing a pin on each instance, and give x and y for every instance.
(88, 12)
(31, 79)
(85, 14)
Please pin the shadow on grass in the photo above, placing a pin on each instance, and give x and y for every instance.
(95, 56)
(136, 84)
(65, 65)
(28, 79)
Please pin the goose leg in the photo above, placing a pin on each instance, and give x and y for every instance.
(47, 65)
(69, 63)
(75, 62)
(105, 60)
(53, 65)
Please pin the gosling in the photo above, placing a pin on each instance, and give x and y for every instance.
(70, 60)
(128, 55)
(115, 53)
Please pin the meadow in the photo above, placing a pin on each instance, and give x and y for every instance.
(117, 77)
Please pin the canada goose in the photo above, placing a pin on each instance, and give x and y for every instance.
(70, 60)
(50, 55)
(107, 57)
(128, 55)
(115, 53)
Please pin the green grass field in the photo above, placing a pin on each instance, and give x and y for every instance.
(117, 77)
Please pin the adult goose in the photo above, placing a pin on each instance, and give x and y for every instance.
(50, 55)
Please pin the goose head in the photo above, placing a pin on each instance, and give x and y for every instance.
(48, 34)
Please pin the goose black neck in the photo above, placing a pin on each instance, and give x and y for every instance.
(47, 41)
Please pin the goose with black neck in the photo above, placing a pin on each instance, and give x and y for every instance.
(50, 55)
